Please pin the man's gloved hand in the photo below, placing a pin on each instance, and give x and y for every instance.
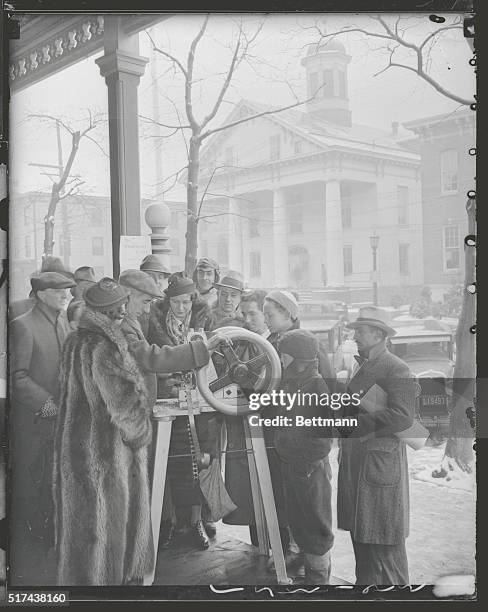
(49, 409)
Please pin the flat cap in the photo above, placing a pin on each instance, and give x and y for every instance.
(140, 281)
(51, 280)
(152, 263)
(107, 293)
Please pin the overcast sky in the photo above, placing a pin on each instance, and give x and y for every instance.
(394, 95)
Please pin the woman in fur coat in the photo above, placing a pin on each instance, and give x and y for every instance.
(103, 433)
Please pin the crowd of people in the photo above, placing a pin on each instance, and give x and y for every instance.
(89, 360)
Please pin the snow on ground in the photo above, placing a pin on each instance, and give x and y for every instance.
(424, 461)
(442, 524)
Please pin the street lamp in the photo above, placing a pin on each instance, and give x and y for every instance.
(374, 241)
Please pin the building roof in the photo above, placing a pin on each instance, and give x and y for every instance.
(324, 134)
(463, 116)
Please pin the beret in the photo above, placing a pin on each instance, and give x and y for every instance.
(105, 294)
(140, 281)
(51, 280)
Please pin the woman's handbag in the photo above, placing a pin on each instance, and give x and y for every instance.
(213, 489)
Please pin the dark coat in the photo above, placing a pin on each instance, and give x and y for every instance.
(373, 495)
(20, 307)
(157, 334)
(102, 499)
(36, 340)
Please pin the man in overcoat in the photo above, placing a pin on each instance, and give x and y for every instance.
(373, 494)
(36, 340)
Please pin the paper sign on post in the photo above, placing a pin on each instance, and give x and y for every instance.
(133, 249)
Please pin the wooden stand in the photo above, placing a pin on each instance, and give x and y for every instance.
(267, 526)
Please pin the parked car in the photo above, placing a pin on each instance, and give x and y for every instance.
(329, 332)
(428, 351)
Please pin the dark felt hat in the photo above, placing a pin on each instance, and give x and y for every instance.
(105, 294)
(85, 273)
(152, 263)
(139, 280)
(178, 285)
(375, 317)
(51, 280)
(232, 280)
(299, 343)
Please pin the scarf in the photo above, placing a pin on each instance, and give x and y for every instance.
(177, 330)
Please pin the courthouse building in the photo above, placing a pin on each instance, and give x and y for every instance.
(303, 190)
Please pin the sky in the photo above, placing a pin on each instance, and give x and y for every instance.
(393, 95)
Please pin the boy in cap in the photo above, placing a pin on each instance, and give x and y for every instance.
(104, 432)
(372, 494)
(304, 454)
(36, 341)
(205, 275)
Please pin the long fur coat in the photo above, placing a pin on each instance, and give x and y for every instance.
(101, 481)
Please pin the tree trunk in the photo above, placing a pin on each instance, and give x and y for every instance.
(192, 205)
(49, 222)
(459, 447)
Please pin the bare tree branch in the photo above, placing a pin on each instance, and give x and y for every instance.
(71, 191)
(165, 125)
(169, 56)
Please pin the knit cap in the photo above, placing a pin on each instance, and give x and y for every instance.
(178, 285)
(299, 344)
(107, 293)
(286, 300)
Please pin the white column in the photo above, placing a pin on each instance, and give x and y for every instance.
(235, 236)
(122, 68)
(280, 240)
(334, 256)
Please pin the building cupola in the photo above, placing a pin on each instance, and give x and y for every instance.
(326, 72)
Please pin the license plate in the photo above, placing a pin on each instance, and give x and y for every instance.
(433, 400)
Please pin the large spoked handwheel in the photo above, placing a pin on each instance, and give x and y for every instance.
(254, 368)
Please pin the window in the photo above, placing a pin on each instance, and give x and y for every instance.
(295, 221)
(97, 246)
(451, 248)
(174, 220)
(314, 83)
(328, 85)
(347, 257)
(274, 143)
(27, 214)
(403, 264)
(229, 156)
(346, 212)
(254, 264)
(402, 200)
(253, 227)
(28, 247)
(449, 171)
(175, 246)
(342, 84)
(298, 147)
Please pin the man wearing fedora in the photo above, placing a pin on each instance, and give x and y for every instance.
(373, 492)
(36, 340)
(205, 275)
(229, 292)
(152, 265)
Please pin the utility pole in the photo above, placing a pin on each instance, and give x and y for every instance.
(66, 234)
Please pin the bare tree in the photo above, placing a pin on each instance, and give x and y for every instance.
(200, 129)
(401, 49)
(65, 185)
(405, 53)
